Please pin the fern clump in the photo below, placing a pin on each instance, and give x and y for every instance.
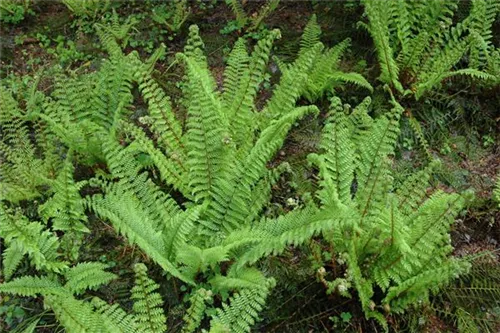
(397, 240)
(217, 162)
(419, 47)
(59, 294)
(180, 12)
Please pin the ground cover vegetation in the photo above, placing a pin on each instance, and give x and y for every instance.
(249, 166)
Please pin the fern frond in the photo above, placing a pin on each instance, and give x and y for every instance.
(239, 12)
(290, 88)
(65, 208)
(206, 129)
(242, 311)
(147, 302)
(196, 310)
(124, 211)
(74, 315)
(115, 317)
(239, 278)
(164, 123)
(244, 85)
(413, 191)
(230, 204)
(31, 238)
(372, 170)
(264, 12)
(179, 228)
(336, 164)
(33, 286)
(12, 256)
(378, 14)
(87, 275)
(413, 287)
(310, 36)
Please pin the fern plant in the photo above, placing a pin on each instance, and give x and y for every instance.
(89, 8)
(24, 171)
(177, 14)
(76, 315)
(418, 47)
(217, 164)
(252, 22)
(325, 76)
(394, 239)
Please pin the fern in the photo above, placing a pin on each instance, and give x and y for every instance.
(196, 310)
(218, 163)
(241, 312)
(27, 237)
(325, 75)
(180, 11)
(147, 302)
(418, 47)
(74, 314)
(395, 239)
(253, 21)
(24, 171)
(87, 7)
(65, 209)
(86, 276)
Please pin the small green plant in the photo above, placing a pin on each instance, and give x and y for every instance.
(342, 322)
(65, 51)
(14, 11)
(13, 314)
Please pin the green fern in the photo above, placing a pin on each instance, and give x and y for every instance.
(218, 163)
(473, 297)
(418, 46)
(24, 171)
(496, 191)
(147, 302)
(74, 314)
(252, 21)
(87, 7)
(325, 75)
(180, 13)
(65, 209)
(396, 240)
(27, 237)
(196, 310)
